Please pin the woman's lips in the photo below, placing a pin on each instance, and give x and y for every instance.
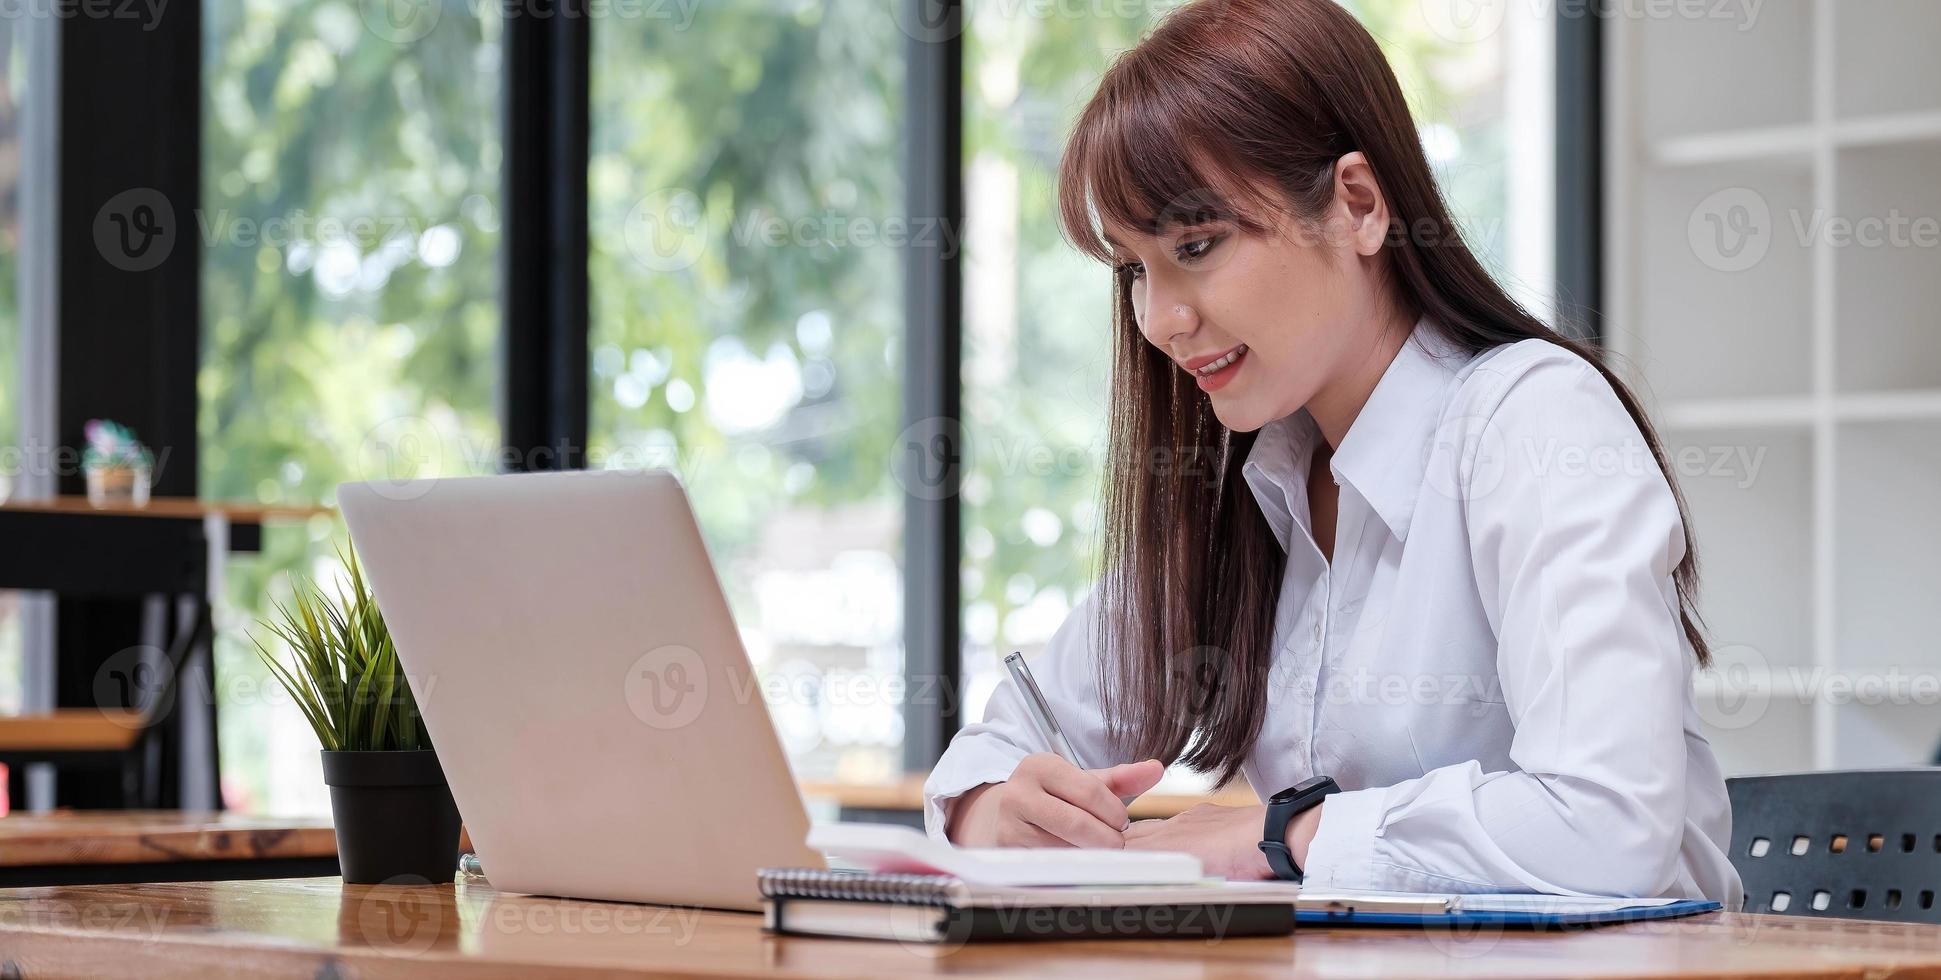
(1216, 373)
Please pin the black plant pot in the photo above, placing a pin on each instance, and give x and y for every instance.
(395, 818)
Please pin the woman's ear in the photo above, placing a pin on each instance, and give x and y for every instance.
(1356, 191)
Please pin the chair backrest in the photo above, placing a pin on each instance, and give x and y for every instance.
(1860, 844)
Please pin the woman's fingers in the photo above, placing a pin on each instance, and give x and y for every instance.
(1070, 824)
(1131, 778)
(1087, 792)
(1020, 834)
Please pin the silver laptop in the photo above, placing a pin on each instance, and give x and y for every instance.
(584, 684)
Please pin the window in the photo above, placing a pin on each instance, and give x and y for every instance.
(13, 78)
(350, 276)
(745, 212)
(747, 225)
(1037, 336)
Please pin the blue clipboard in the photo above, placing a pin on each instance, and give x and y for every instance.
(1468, 918)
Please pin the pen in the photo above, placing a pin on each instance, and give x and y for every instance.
(1040, 710)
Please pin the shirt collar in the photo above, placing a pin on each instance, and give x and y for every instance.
(1383, 456)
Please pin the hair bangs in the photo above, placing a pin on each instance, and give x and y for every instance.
(1137, 161)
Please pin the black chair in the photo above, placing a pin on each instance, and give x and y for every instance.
(136, 690)
(1860, 844)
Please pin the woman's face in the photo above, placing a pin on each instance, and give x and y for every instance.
(1264, 322)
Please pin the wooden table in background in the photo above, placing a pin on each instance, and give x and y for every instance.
(100, 846)
(318, 926)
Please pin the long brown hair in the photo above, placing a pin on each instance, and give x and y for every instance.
(1222, 99)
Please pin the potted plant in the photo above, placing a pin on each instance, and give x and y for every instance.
(393, 810)
(117, 466)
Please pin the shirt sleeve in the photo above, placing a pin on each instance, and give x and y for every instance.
(986, 752)
(1573, 532)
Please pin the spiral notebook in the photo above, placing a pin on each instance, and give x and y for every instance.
(926, 908)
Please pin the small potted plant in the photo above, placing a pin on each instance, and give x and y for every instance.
(392, 808)
(117, 466)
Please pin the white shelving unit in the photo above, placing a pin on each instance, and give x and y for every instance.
(1785, 334)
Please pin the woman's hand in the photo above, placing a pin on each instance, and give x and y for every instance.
(1049, 802)
(1226, 839)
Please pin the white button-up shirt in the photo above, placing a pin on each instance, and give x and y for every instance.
(1492, 666)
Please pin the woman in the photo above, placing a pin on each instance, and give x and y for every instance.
(1366, 517)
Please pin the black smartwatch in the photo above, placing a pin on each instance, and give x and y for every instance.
(1282, 807)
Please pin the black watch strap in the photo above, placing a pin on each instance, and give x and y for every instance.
(1283, 807)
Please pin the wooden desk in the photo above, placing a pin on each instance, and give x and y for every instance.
(101, 846)
(319, 926)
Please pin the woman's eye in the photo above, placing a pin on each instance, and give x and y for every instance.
(1196, 249)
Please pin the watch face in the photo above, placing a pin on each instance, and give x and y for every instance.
(1288, 795)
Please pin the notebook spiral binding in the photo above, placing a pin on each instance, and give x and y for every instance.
(851, 886)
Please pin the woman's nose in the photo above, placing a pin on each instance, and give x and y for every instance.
(1167, 318)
